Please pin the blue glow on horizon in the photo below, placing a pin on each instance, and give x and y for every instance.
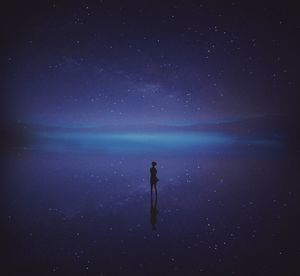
(127, 142)
(139, 142)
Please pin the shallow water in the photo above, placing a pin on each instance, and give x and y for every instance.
(221, 211)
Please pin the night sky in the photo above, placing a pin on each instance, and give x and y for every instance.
(91, 63)
(93, 91)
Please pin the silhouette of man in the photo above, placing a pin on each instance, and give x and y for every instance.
(153, 177)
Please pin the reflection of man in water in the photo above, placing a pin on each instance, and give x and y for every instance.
(153, 207)
(153, 212)
(153, 177)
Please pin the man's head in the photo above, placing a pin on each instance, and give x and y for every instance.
(154, 164)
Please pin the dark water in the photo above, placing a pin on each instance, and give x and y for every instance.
(219, 213)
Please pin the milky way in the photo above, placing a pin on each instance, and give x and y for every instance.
(95, 63)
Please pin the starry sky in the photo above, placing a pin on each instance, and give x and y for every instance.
(93, 63)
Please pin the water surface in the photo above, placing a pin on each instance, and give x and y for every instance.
(81, 206)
